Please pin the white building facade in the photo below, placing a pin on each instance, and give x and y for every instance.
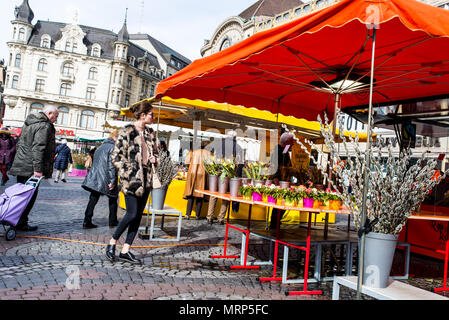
(89, 74)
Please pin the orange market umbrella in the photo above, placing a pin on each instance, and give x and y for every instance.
(354, 53)
(298, 68)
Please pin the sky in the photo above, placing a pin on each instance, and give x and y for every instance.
(182, 25)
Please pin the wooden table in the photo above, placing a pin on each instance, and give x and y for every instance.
(311, 211)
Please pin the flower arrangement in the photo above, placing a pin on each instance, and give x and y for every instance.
(391, 197)
(246, 190)
(228, 169)
(255, 170)
(212, 166)
(166, 169)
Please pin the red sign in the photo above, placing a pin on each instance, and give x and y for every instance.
(65, 132)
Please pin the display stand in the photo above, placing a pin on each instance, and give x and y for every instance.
(166, 210)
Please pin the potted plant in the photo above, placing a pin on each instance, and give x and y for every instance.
(395, 190)
(166, 171)
(257, 192)
(255, 171)
(212, 167)
(246, 190)
(289, 195)
(301, 194)
(229, 173)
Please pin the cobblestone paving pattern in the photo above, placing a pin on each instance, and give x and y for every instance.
(63, 261)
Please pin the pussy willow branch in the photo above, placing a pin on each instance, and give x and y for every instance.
(396, 188)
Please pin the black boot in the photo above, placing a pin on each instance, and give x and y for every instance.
(129, 257)
(110, 252)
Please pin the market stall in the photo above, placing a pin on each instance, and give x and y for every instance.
(354, 53)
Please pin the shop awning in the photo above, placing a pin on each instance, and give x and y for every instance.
(221, 116)
(298, 68)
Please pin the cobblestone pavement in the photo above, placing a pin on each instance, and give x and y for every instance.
(63, 261)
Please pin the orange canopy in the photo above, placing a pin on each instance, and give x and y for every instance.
(295, 69)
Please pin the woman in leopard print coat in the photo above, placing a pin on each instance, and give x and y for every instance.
(134, 153)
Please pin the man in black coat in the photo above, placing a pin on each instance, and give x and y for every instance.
(102, 180)
(35, 154)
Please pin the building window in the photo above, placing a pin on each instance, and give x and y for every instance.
(112, 96)
(67, 69)
(65, 89)
(7, 81)
(21, 34)
(90, 93)
(67, 46)
(225, 44)
(127, 101)
(152, 90)
(14, 33)
(87, 119)
(129, 82)
(15, 82)
(36, 107)
(42, 65)
(45, 43)
(93, 72)
(117, 97)
(40, 84)
(63, 116)
(120, 77)
(95, 51)
(18, 60)
(74, 46)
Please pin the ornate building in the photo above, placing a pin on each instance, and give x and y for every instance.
(88, 73)
(266, 14)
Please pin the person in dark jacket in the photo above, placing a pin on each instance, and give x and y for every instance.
(7, 151)
(35, 154)
(63, 158)
(101, 180)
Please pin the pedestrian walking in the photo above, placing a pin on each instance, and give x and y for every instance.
(135, 155)
(102, 180)
(196, 179)
(35, 154)
(63, 158)
(7, 152)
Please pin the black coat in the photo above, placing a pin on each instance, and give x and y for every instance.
(102, 172)
(35, 148)
(64, 156)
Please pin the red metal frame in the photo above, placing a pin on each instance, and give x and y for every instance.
(446, 256)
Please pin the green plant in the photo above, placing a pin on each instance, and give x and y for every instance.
(228, 169)
(273, 191)
(246, 190)
(289, 194)
(255, 170)
(211, 166)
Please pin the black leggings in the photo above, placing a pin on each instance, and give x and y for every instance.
(131, 220)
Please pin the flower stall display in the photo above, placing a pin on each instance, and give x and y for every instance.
(212, 167)
(246, 190)
(395, 190)
(255, 170)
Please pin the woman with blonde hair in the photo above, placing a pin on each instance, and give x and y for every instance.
(134, 155)
(101, 180)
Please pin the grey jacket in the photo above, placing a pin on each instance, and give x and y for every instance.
(35, 148)
(102, 172)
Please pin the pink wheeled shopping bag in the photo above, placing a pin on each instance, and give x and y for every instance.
(14, 201)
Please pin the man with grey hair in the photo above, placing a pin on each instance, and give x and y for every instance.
(35, 154)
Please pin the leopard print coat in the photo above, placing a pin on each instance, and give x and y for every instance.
(127, 158)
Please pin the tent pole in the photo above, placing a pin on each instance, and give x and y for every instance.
(367, 167)
(334, 125)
